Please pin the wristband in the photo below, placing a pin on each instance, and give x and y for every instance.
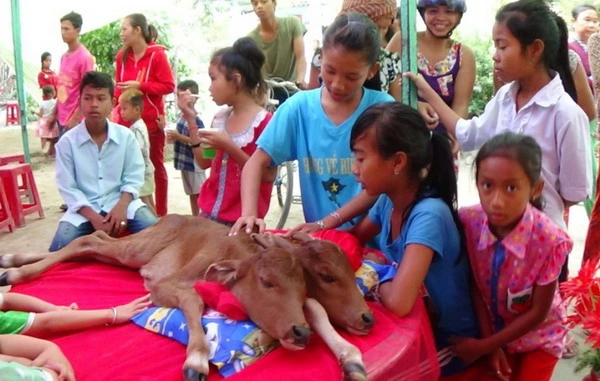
(114, 318)
(195, 145)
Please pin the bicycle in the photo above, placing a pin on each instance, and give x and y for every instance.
(284, 181)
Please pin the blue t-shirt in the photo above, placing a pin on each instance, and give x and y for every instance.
(300, 130)
(430, 223)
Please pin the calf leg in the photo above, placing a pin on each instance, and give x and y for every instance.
(170, 292)
(18, 260)
(97, 245)
(349, 356)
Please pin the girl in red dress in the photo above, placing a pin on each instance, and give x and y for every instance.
(47, 77)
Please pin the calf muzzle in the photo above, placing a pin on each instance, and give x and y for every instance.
(368, 320)
(301, 335)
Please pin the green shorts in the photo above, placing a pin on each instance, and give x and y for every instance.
(13, 371)
(15, 322)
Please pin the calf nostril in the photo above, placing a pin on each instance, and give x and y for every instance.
(368, 320)
(301, 334)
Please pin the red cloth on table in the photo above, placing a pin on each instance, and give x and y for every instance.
(346, 241)
(219, 298)
(395, 346)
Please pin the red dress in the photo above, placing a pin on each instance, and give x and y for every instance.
(47, 77)
(220, 195)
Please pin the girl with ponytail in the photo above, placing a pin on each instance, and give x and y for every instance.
(237, 83)
(410, 170)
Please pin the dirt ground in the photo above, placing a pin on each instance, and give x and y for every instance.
(37, 233)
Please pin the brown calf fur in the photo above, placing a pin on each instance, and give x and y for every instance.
(262, 271)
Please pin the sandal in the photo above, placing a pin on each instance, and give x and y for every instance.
(571, 349)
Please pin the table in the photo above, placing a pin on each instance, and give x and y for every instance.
(394, 347)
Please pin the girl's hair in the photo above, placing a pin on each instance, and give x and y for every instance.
(245, 58)
(44, 56)
(400, 128)
(578, 9)
(355, 32)
(522, 149)
(149, 32)
(530, 20)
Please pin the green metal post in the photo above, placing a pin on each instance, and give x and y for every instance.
(16, 32)
(408, 22)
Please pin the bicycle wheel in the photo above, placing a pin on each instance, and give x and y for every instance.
(284, 188)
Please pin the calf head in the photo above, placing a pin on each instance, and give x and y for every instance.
(271, 287)
(331, 281)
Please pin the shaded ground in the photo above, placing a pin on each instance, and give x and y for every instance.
(36, 235)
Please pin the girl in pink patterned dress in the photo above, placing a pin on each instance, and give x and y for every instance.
(47, 129)
(516, 254)
(236, 81)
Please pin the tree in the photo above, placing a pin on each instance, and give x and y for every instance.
(483, 48)
(104, 43)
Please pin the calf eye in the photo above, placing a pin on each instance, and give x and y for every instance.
(267, 284)
(327, 278)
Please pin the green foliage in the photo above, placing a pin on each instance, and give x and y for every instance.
(564, 7)
(32, 105)
(484, 81)
(589, 359)
(104, 43)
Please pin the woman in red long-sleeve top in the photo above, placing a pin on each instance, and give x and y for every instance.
(144, 65)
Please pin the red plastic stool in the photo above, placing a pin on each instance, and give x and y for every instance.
(10, 174)
(6, 219)
(13, 113)
(12, 158)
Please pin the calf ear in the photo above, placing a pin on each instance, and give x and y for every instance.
(302, 237)
(265, 239)
(224, 272)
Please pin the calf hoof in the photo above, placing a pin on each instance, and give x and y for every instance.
(354, 372)
(193, 375)
(7, 260)
(4, 279)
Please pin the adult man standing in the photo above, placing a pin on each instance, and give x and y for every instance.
(74, 63)
(282, 41)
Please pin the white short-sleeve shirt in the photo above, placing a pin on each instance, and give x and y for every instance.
(559, 126)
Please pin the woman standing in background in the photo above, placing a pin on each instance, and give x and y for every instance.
(143, 65)
(584, 23)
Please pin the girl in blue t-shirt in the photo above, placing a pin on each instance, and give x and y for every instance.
(410, 169)
(314, 126)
